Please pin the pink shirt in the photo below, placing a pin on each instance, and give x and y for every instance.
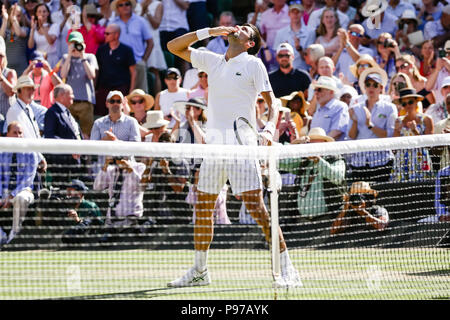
(271, 22)
(92, 38)
(44, 91)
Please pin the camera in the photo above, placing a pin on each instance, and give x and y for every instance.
(39, 64)
(388, 43)
(442, 53)
(78, 46)
(357, 198)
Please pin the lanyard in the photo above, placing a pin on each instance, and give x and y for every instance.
(27, 112)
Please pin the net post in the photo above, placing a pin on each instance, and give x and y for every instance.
(275, 247)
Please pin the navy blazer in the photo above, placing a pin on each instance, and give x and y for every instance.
(57, 125)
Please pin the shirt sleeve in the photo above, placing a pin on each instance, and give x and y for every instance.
(340, 119)
(260, 77)
(204, 60)
(54, 30)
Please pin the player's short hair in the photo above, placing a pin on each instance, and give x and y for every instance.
(256, 38)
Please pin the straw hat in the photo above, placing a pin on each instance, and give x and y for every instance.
(24, 81)
(149, 100)
(315, 133)
(326, 83)
(363, 58)
(408, 15)
(155, 119)
(374, 7)
(408, 93)
(180, 106)
(376, 74)
(362, 187)
(115, 2)
(286, 99)
(91, 10)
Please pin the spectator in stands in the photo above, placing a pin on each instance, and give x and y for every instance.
(316, 16)
(442, 154)
(313, 53)
(309, 6)
(14, 30)
(430, 10)
(197, 15)
(427, 58)
(360, 205)
(85, 215)
(140, 102)
(54, 5)
(104, 7)
(364, 62)
(220, 44)
(296, 34)
(371, 119)
(438, 111)
(287, 79)
(60, 124)
(412, 164)
(28, 10)
(116, 68)
(272, 20)
(192, 129)
(156, 124)
(331, 114)
(407, 24)
(79, 69)
(438, 30)
(17, 172)
(298, 106)
(387, 53)
(406, 64)
(378, 21)
(399, 81)
(8, 79)
(201, 89)
(347, 94)
(174, 23)
(442, 71)
(345, 7)
(21, 110)
(93, 33)
(286, 127)
(398, 7)
(350, 51)
(44, 34)
(44, 78)
(169, 181)
(318, 179)
(121, 177)
(135, 33)
(152, 11)
(66, 21)
(165, 99)
(327, 31)
(116, 125)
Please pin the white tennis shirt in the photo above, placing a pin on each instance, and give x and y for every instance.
(233, 87)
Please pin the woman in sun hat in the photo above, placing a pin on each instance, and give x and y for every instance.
(139, 103)
(298, 106)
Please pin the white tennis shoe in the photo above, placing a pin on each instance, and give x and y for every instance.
(192, 278)
(289, 278)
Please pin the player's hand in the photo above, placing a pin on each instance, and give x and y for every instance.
(222, 31)
(266, 138)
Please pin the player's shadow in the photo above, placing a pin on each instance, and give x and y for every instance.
(141, 294)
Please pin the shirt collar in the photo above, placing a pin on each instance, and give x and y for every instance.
(329, 104)
(121, 119)
(61, 106)
(241, 57)
(282, 11)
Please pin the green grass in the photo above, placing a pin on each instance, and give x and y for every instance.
(236, 274)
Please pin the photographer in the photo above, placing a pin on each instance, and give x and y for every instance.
(387, 53)
(85, 215)
(359, 205)
(79, 69)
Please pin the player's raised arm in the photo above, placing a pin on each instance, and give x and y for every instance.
(181, 46)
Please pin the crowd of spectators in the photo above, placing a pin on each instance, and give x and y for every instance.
(100, 70)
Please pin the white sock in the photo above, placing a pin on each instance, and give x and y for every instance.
(200, 260)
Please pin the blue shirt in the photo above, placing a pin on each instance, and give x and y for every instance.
(134, 33)
(125, 129)
(332, 116)
(389, 25)
(383, 116)
(441, 209)
(217, 45)
(400, 8)
(27, 164)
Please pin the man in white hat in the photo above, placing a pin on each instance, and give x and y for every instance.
(288, 79)
(116, 125)
(156, 123)
(378, 20)
(438, 111)
(440, 73)
(21, 110)
(296, 34)
(371, 119)
(235, 80)
(331, 114)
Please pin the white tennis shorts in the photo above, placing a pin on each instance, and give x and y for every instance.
(244, 175)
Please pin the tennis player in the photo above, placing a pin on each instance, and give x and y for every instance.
(234, 79)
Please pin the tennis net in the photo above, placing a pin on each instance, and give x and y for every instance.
(353, 230)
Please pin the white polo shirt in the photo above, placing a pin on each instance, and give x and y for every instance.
(233, 87)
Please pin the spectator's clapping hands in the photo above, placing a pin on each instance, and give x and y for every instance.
(73, 215)
(109, 135)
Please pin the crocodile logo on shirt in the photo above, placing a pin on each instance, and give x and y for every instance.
(238, 73)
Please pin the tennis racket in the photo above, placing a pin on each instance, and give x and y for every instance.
(246, 134)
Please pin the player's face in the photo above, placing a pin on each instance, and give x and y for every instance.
(243, 35)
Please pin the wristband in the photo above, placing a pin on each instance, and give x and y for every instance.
(270, 127)
(202, 34)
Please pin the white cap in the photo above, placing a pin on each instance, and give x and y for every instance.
(114, 93)
(348, 89)
(446, 82)
(285, 46)
(325, 82)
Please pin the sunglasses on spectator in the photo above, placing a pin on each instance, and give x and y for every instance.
(114, 101)
(355, 34)
(108, 33)
(172, 77)
(318, 89)
(410, 102)
(140, 101)
(283, 56)
(369, 84)
(403, 66)
(365, 65)
(204, 75)
(126, 4)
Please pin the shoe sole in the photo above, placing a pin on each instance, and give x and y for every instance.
(188, 285)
